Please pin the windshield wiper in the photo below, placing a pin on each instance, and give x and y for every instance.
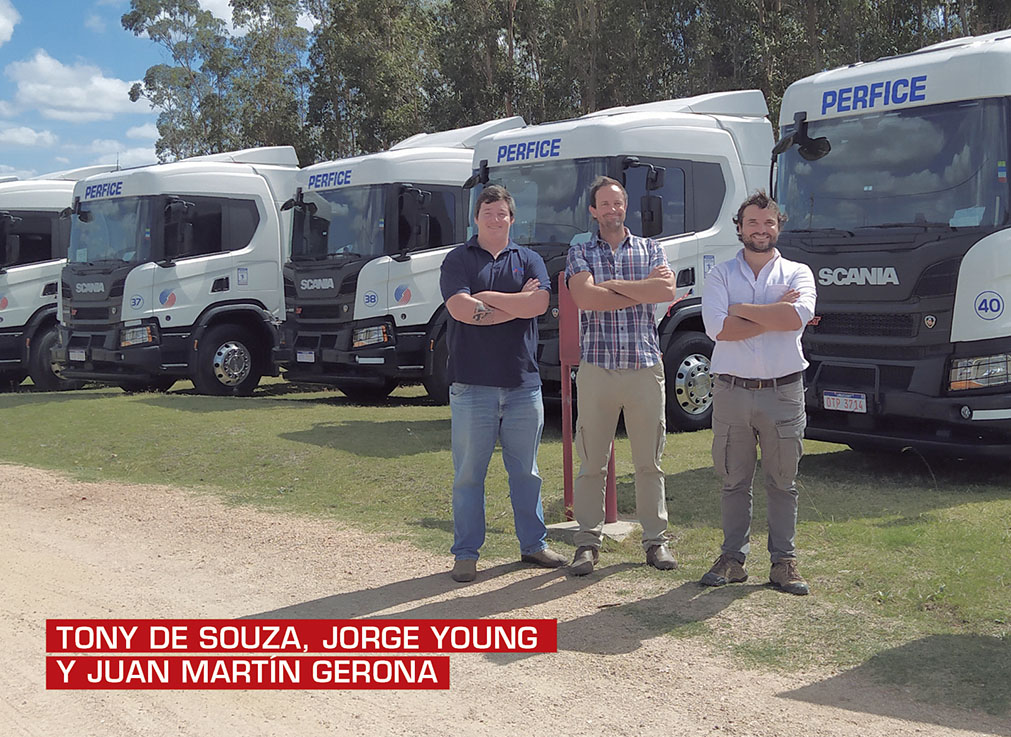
(907, 225)
(820, 231)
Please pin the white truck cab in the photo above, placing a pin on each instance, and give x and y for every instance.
(364, 309)
(33, 249)
(687, 164)
(894, 174)
(174, 271)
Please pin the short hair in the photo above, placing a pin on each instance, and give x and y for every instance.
(495, 193)
(762, 201)
(601, 182)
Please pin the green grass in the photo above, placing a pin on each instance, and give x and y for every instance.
(909, 559)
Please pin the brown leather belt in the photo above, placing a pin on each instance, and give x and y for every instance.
(761, 383)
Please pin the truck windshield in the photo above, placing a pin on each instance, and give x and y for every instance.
(112, 230)
(940, 165)
(346, 221)
(551, 199)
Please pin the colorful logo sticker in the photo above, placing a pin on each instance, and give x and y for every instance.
(3, 302)
(1001, 171)
(167, 298)
(402, 294)
(136, 301)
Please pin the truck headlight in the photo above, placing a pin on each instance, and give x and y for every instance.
(368, 336)
(136, 336)
(979, 373)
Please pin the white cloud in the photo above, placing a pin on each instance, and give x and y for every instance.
(148, 131)
(9, 18)
(13, 171)
(79, 93)
(6, 109)
(109, 151)
(24, 136)
(95, 23)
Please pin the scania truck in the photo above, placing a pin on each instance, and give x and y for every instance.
(174, 271)
(33, 249)
(364, 310)
(686, 164)
(894, 175)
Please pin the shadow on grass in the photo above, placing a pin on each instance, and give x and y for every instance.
(842, 485)
(968, 672)
(391, 439)
(610, 628)
(42, 399)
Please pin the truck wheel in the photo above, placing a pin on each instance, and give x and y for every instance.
(161, 384)
(226, 362)
(10, 382)
(689, 385)
(45, 373)
(368, 393)
(437, 383)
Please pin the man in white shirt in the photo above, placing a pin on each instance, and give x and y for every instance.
(755, 307)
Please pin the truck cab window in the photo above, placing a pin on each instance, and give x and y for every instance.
(672, 193)
(39, 237)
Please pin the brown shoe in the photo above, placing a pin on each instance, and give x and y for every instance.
(784, 577)
(547, 558)
(660, 557)
(726, 569)
(464, 570)
(584, 561)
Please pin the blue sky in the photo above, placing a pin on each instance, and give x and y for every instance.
(65, 69)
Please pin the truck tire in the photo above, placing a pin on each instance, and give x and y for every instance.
(368, 393)
(689, 385)
(44, 372)
(437, 383)
(227, 362)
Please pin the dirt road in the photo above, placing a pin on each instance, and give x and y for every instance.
(75, 550)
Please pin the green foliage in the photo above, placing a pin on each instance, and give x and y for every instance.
(373, 72)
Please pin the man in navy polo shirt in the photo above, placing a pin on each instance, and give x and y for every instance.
(494, 292)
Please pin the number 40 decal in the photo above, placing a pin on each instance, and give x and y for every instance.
(989, 305)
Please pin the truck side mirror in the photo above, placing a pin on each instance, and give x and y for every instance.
(655, 178)
(415, 222)
(651, 206)
(422, 231)
(13, 248)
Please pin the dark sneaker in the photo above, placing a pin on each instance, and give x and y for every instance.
(725, 570)
(464, 570)
(784, 577)
(547, 558)
(586, 557)
(660, 557)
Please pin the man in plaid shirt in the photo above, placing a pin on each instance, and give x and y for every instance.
(616, 279)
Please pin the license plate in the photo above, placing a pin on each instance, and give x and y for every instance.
(845, 401)
(305, 356)
(76, 355)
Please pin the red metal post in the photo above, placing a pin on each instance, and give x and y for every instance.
(568, 354)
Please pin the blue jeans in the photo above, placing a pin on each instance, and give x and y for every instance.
(481, 416)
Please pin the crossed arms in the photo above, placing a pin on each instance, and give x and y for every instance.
(616, 294)
(746, 320)
(494, 308)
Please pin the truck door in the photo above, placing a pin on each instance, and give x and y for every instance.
(675, 228)
(413, 293)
